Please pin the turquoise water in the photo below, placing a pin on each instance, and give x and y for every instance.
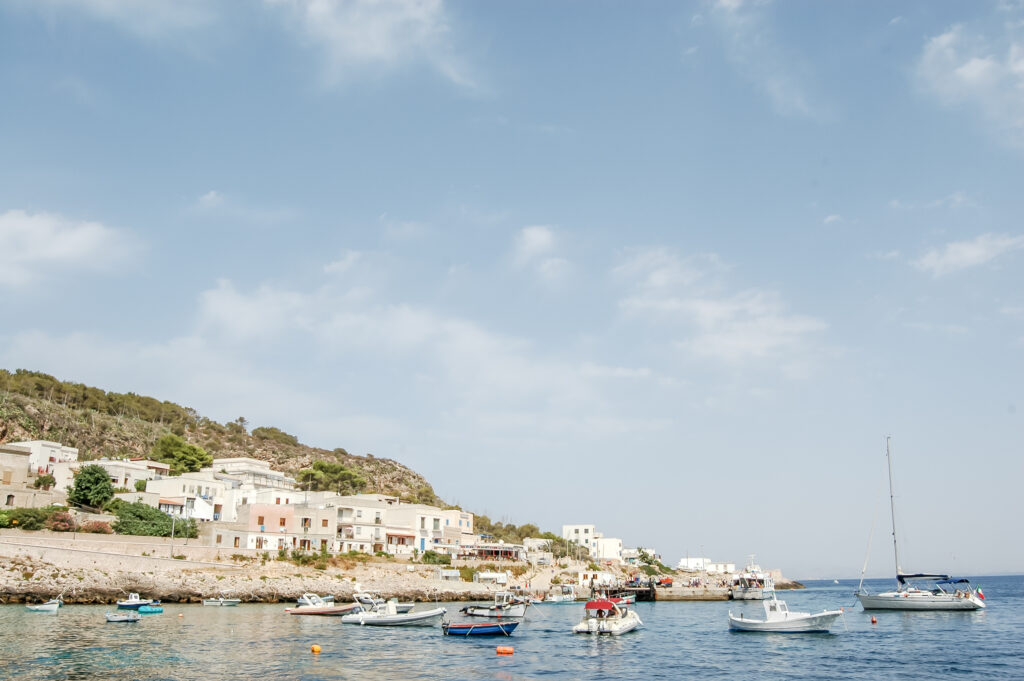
(680, 640)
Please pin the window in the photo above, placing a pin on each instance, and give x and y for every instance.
(282, 522)
(10, 500)
(7, 477)
(306, 522)
(259, 521)
(277, 500)
(586, 530)
(236, 542)
(359, 513)
(218, 538)
(323, 523)
(423, 523)
(437, 523)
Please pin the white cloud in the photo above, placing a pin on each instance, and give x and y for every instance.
(689, 294)
(356, 34)
(216, 204)
(37, 245)
(760, 58)
(829, 219)
(535, 248)
(344, 263)
(978, 72)
(960, 255)
(895, 20)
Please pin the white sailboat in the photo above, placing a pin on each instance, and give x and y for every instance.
(945, 593)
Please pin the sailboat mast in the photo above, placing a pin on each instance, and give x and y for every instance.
(892, 509)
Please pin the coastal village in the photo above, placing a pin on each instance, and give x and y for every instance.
(253, 522)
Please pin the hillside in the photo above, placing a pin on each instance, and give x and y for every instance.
(37, 406)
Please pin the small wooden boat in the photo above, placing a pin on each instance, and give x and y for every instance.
(150, 609)
(133, 602)
(317, 606)
(123, 617)
(483, 629)
(505, 605)
(48, 606)
(388, 615)
(778, 618)
(222, 602)
(606, 617)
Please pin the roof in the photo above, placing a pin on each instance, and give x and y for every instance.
(400, 534)
(599, 605)
(172, 502)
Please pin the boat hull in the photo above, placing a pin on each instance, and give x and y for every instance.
(373, 619)
(895, 600)
(222, 602)
(325, 611)
(43, 607)
(612, 627)
(123, 617)
(517, 610)
(819, 623)
(483, 629)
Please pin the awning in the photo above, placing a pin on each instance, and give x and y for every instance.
(400, 534)
(599, 605)
(171, 502)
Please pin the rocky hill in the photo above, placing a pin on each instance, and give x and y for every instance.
(37, 406)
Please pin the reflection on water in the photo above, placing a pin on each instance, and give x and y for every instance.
(679, 640)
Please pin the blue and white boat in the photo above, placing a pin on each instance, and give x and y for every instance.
(483, 629)
(133, 602)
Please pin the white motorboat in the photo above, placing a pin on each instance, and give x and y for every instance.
(48, 606)
(779, 619)
(606, 617)
(302, 600)
(222, 602)
(947, 593)
(567, 594)
(133, 602)
(317, 606)
(370, 601)
(753, 584)
(388, 615)
(505, 605)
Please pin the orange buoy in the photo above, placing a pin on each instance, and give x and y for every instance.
(505, 650)
(315, 649)
(873, 620)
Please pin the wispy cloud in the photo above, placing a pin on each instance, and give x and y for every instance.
(690, 294)
(759, 57)
(981, 73)
(214, 203)
(358, 34)
(829, 219)
(961, 255)
(956, 199)
(38, 245)
(535, 249)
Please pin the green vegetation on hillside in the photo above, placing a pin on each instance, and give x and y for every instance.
(91, 487)
(333, 477)
(181, 455)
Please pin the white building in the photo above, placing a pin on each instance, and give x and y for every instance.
(699, 564)
(584, 535)
(43, 454)
(607, 548)
(253, 472)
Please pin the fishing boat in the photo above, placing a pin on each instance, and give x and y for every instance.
(482, 629)
(133, 602)
(945, 592)
(388, 615)
(753, 584)
(779, 619)
(48, 606)
(317, 606)
(123, 617)
(150, 609)
(222, 602)
(505, 605)
(605, 617)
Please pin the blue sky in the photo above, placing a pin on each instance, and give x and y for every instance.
(701, 257)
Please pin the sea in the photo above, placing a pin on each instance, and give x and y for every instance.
(678, 641)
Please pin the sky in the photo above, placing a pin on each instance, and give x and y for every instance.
(675, 269)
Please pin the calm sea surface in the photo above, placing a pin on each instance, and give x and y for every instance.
(680, 640)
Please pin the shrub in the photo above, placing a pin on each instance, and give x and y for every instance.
(140, 485)
(142, 520)
(96, 527)
(320, 564)
(29, 518)
(466, 573)
(61, 521)
(435, 558)
(282, 553)
(45, 481)
(518, 570)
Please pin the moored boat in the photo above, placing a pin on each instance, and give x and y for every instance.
(150, 609)
(123, 617)
(369, 601)
(48, 606)
(479, 629)
(753, 584)
(779, 619)
(133, 602)
(566, 594)
(606, 617)
(947, 593)
(317, 606)
(505, 605)
(222, 602)
(388, 615)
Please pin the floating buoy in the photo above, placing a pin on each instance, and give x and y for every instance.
(315, 649)
(873, 620)
(505, 650)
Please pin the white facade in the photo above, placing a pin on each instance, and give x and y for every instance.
(253, 472)
(608, 548)
(597, 578)
(697, 564)
(43, 454)
(584, 535)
